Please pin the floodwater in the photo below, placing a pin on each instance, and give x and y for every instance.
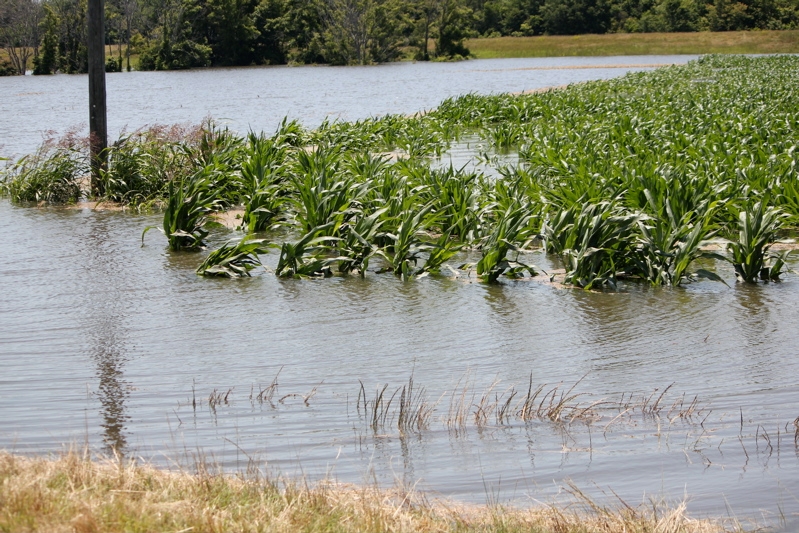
(258, 98)
(118, 346)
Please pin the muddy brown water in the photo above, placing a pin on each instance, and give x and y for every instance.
(115, 345)
(258, 98)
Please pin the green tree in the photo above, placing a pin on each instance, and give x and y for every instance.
(228, 28)
(19, 32)
(452, 29)
(46, 62)
(72, 38)
(573, 17)
(175, 48)
(361, 32)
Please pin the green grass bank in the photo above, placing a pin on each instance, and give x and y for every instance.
(620, 44)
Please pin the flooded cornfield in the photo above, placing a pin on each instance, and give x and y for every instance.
(257, 98)
(511, 392)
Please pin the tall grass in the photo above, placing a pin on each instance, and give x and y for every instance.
(626, 44)
(51, 176)
(141, 164)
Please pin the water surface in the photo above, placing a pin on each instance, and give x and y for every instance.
(119, 346)
(258, 98)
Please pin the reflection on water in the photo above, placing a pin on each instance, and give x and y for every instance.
(758, 330)
(104, 306)
(111, 393)
(753, 314)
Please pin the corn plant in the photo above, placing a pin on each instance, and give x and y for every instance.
(357, 244)
(261, 180)
(233, 259)
(663, 257)
(757, 231)
(667, 245)
(323, 196)
(511, 233)
(306, 258)
(290, 132)
(505, 135)
(367, 167)
(188, 206)
(441, 251)
(406, 246)
(593, 242)
(457, 201)
(221, 150)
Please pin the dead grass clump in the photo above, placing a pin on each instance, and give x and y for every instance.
(74, 493)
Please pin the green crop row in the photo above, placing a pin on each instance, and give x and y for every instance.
(627, 178)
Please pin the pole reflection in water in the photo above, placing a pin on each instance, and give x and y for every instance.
(106, 316)
(112, 390)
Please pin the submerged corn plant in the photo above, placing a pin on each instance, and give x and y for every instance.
(441, 251)
(234, 259)
(221, 150)
(307, 257)
(324, 195)
(512, 232)
(188, 206)
(663, 256)
(456, 198)
(667, 245)
(262, 178)
(757, 231)
(505, 135)
(593, 241)
(357, 244)
(406, 245)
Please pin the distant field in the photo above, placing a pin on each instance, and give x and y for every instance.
(616, 44)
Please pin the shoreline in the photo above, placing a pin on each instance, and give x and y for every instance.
(633, 44)
(74, 492)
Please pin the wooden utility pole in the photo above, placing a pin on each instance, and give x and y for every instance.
(98, 123)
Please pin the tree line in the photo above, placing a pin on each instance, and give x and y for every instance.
(50, 35)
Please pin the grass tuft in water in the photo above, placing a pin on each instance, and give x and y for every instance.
(51, 176)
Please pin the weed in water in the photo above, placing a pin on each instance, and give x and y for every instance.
(49, 176)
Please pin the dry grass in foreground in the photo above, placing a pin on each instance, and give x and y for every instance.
(618, 44)
(74, 493)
